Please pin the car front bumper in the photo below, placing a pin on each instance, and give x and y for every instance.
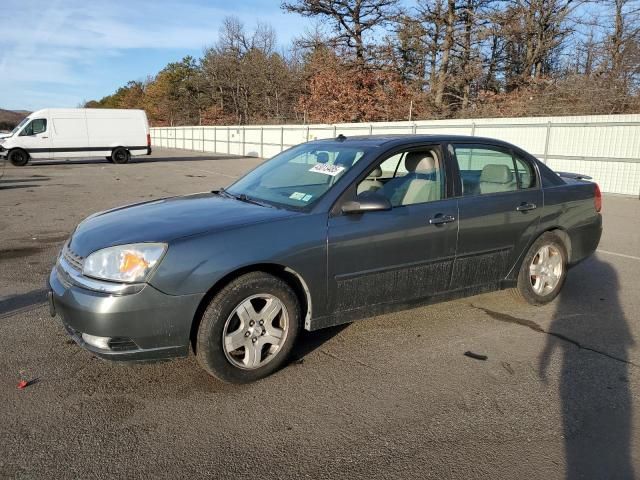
(146, 325)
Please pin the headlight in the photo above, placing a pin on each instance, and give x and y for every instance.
(124, 263)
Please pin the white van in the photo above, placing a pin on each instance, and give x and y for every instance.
(78, 132)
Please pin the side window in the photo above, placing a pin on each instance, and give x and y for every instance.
(407, 178)
(526, 174)
(485, 170)
(36, 126)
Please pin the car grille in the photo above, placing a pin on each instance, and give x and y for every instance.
(122, 344)
(73, 259)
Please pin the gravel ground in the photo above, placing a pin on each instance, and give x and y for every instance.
(388, 397)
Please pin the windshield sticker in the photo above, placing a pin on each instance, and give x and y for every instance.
(327, 169)
(303, 197)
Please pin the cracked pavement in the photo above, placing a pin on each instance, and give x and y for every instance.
(393, 396)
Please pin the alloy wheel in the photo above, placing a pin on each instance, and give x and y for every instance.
(255, 331)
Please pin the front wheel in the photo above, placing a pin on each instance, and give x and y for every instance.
(248, 329)
(18, 158)
(543, 270)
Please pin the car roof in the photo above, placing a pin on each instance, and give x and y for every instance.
(394, 140)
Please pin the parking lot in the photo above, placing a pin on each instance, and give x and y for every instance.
(389, 397)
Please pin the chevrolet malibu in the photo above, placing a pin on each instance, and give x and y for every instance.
(323, 234)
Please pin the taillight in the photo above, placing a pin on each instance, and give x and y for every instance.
(597, 198)
(148, 139)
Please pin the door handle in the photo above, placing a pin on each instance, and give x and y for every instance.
(44, 137)
(441, 219)
(525, 207)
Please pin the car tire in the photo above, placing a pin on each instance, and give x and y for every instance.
(543, 270)
(18, 157)
(109, 159)
(248, 329)
(120, 155)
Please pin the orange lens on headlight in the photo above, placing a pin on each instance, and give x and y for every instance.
(131, 261)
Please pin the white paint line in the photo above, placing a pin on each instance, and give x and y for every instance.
(618, 254)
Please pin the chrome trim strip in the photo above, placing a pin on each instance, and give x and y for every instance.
(97, 285)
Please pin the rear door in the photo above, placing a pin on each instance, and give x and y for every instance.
(398, 255)
(499, 211)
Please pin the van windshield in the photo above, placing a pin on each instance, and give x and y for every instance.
(19, 126)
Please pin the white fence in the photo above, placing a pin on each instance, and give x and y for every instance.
(605, 147)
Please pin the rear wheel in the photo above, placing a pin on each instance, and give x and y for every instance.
(18, 158)
(543, 270)
(248, 329)
(120, 155)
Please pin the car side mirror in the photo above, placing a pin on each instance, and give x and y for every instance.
(367, 202)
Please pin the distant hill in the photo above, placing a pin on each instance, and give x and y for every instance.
(10, 118)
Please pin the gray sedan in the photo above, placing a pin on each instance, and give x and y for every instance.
(324, 233)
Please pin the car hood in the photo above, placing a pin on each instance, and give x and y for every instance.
(167, 219)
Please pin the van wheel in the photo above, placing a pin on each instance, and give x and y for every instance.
(120, 155)
(543, 270)
(18, 158)
(248, 329)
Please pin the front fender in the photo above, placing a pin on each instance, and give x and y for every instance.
(195, 264)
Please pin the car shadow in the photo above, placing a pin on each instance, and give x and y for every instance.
(13, 187)
(308, 342)
(134, 160)
(594, 378)
(10, 305)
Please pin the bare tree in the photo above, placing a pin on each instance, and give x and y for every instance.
(351, 19)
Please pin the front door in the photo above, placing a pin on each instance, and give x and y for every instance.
(35, 138)
(398, 255)
(499, 211)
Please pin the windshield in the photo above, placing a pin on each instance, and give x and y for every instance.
(298, 177)
(19, 126)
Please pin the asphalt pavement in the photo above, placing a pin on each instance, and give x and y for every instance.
(393, 396)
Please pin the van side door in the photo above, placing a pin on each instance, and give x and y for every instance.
(70, 138)
(35, 138)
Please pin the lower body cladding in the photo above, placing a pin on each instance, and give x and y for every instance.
(147, 325)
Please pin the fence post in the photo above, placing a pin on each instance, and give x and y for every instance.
(215, 139)
(192, 135)
(281, 139)
(546, 143)
(228, 140)
(307, 133)
(244, 150)
(473, 129)
(261, 142)
(371, 129)
(415, 128)
(335, 131)
(203, 139)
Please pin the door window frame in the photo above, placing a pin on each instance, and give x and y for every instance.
(457, 176)
(30, 124)
(448, 175)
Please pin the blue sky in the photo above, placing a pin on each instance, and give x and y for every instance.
(58, 53)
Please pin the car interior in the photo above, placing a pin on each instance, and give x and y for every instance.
(485, 171)
(406, 178)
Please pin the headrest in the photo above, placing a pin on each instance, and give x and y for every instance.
(375, 173)
(322, 157)
(420, 162)
(493, 173)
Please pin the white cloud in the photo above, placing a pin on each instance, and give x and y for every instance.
(57, 42)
